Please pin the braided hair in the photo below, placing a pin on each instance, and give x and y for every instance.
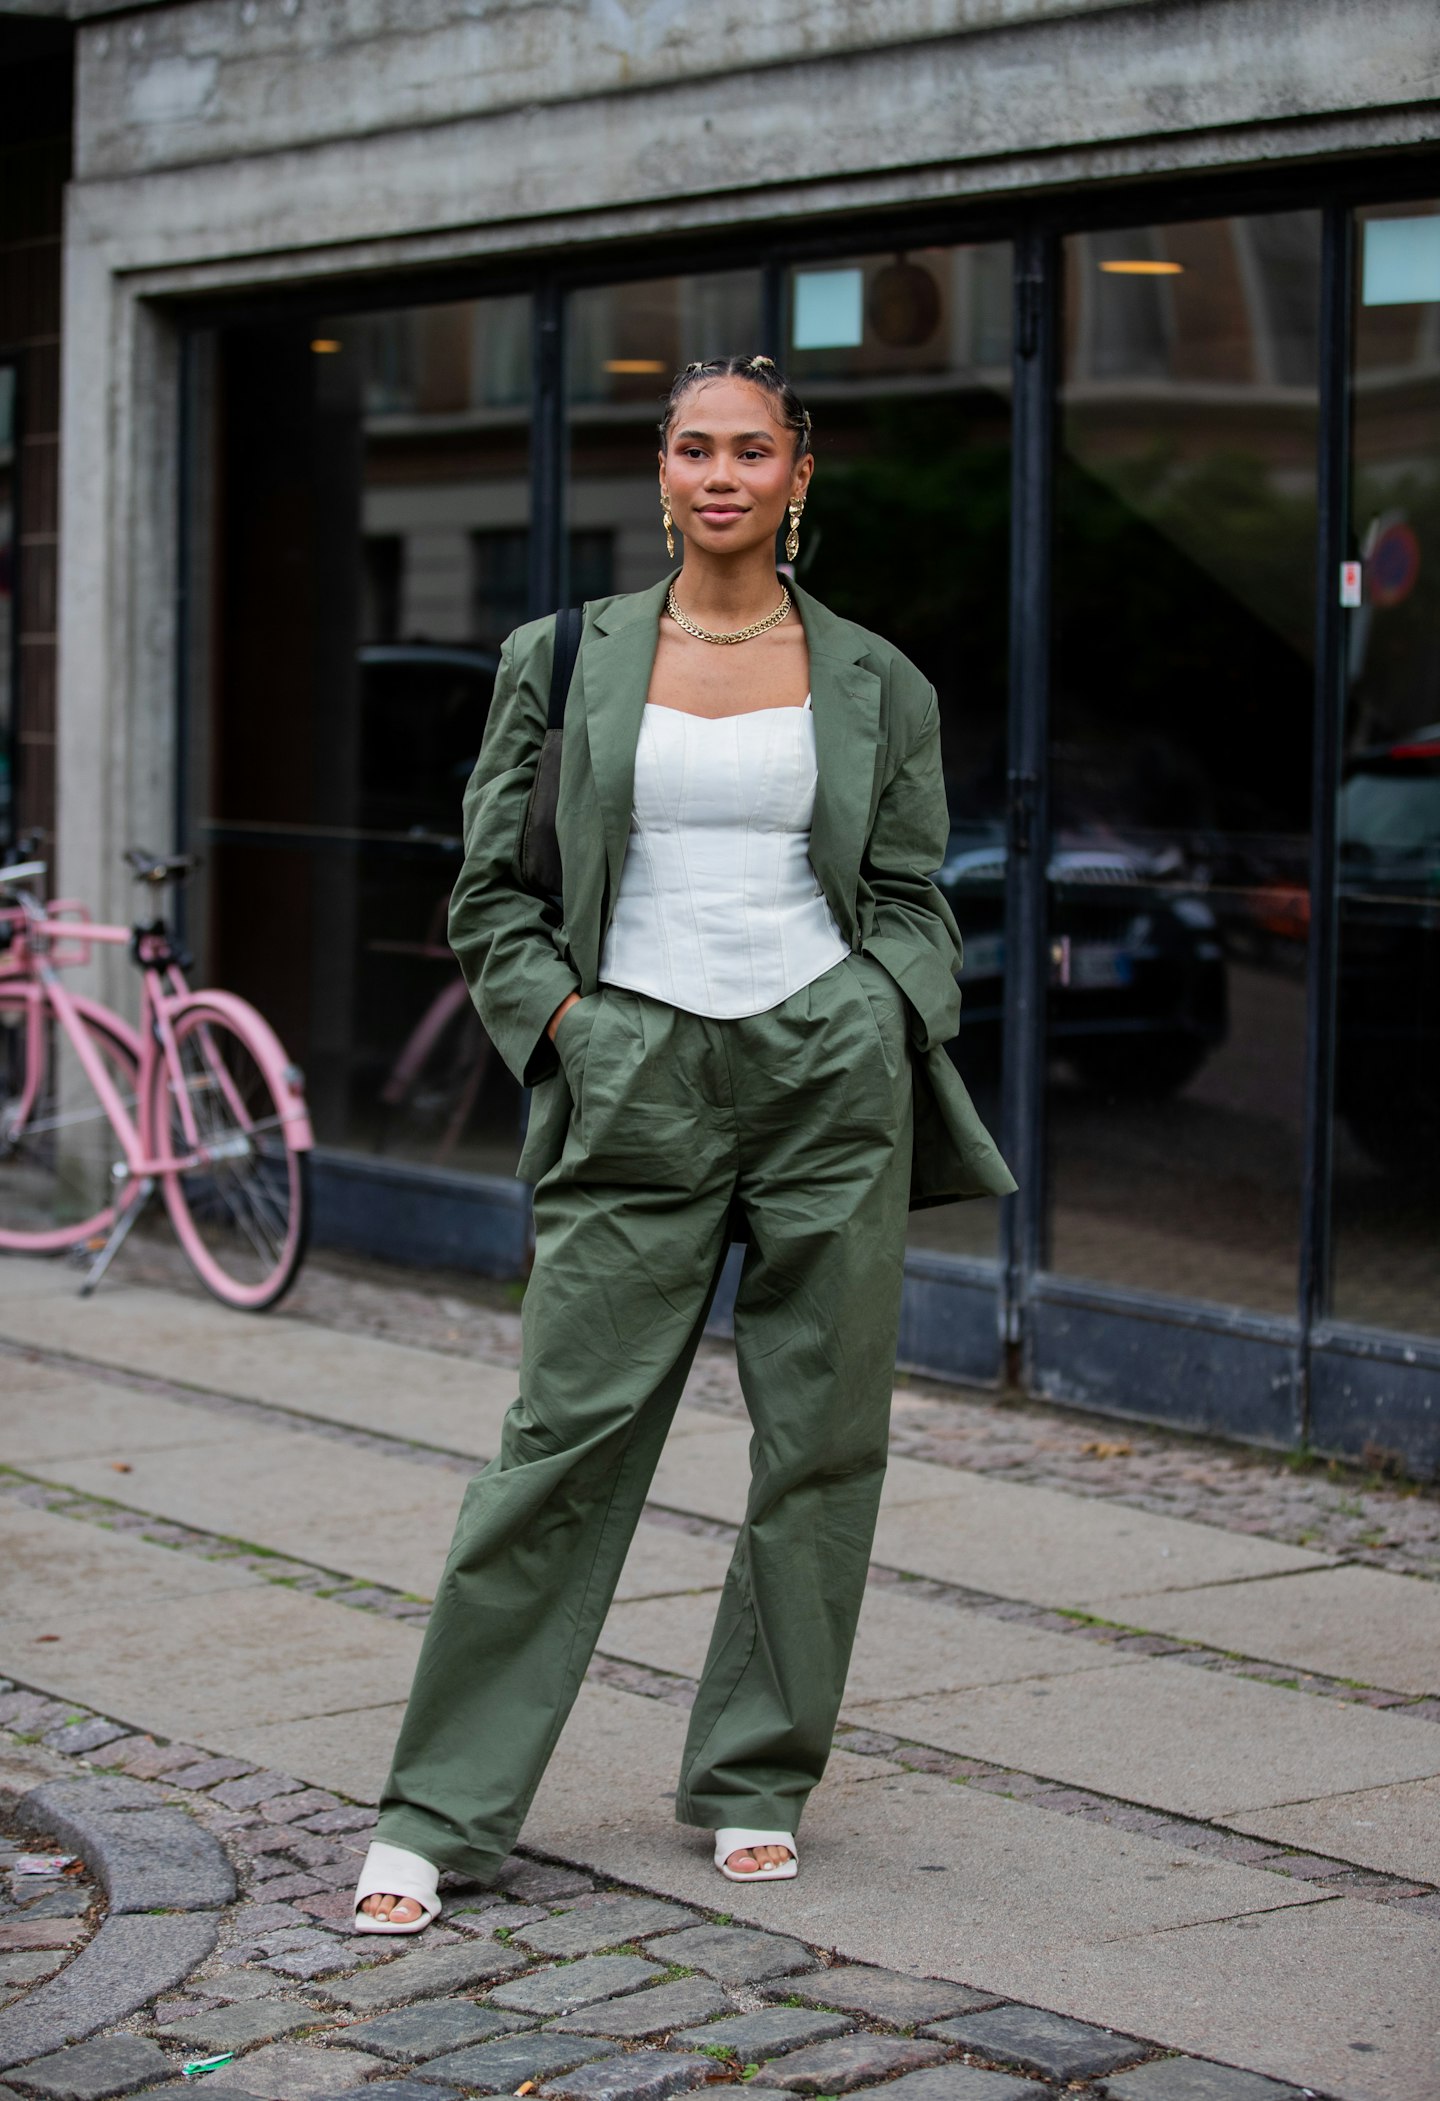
(763, 372)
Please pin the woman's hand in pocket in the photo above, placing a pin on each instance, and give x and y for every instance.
(570, 1000)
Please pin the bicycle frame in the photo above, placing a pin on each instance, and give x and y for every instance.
(30, 969)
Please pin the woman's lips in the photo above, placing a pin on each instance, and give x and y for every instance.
(719, 512)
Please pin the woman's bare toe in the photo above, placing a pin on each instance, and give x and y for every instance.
(751, 1862)
(403, 1910)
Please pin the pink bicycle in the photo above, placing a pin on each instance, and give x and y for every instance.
(200, 1100)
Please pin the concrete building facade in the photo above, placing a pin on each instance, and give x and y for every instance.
(1120, 324)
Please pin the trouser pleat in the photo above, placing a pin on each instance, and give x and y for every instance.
(801, 1117)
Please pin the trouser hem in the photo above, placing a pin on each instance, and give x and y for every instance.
(740, 1812)
(419, 1833)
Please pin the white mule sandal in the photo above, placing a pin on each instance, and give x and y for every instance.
(732, 1840)
(390, 1871)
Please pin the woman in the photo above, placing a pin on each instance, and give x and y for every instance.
(734, 1024)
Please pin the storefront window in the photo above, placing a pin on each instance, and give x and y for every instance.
(1386, 1187)
(1180, 762)
(625, 345)
(904, 364)
(8, 542)
(370, 543)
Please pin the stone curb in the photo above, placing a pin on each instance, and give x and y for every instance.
(155, 1864)
(127, 1963)
(145, 1856)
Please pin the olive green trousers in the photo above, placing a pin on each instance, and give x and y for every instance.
(802, 1117)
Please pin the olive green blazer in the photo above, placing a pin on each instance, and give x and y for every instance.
(879, 830)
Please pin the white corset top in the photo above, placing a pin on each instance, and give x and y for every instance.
(718, 910)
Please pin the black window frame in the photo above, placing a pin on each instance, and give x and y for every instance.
(1035, 227)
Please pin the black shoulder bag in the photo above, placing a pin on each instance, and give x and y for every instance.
(540, 868)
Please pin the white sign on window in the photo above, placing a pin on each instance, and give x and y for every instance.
(829, 310)
(1402, 262)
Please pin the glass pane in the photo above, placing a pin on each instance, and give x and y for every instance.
(371, 544)
(9, 542)
(1180, 762)
(625, 345)
(904, 364)
(1386, 1187)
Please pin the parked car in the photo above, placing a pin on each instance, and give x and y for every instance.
(1387, 1070)
(1138, 994)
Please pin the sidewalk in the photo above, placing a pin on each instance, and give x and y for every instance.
(1172, 1777)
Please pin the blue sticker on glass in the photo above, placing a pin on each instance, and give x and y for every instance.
(829, 310)
(1402, 262)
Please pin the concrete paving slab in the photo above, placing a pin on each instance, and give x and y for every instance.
(348, 1752)
(1174, 1736)
(27, 1277)
(315, 1498)
(70, 1417)
(453, 1402)
(1359, 1623)
(56, 1568)
(203, 1669)
(661, 1562)
(1339, 1997)
(706, 1476)
(672, 1634)
(1000, 1536)
(1052, 1548)
(905, 1645)
(1086, 1920)
(701, 1422)
(899, 1869)
(1395, 1829)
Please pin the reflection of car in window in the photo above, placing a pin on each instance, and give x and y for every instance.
(1137, 977)
(422, 710)
(1387, 1077)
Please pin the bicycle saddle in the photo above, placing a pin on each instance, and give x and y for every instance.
(154, 868)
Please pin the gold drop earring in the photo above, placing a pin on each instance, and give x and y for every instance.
(792, 538)
(668, 522)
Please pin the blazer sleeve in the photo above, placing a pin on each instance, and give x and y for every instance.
(508, 941)
(912, 930)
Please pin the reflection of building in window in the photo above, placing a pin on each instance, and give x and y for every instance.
(383, 558)
(447, 463)
(912, 313)
(438, 360)
(592, 566)
(1201, 303)
(625, 343)
(1123, 324)
(500, 579)
(1276, 252)
(1394, 637)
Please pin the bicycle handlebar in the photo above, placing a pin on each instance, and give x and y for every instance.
(21, 872)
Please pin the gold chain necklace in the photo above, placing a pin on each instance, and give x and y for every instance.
(741, 634)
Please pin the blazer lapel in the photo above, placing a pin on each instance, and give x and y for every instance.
(617, 657)
(845, 701)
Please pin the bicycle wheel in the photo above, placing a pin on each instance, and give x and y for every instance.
(239, 1200)
(57, 1147)
(429, 1098)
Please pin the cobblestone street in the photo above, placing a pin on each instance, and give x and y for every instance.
(1136, 1790)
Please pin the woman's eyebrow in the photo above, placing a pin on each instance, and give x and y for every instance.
(739, 437)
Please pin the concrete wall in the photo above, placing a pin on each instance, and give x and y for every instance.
(240, 143)
(216, 78)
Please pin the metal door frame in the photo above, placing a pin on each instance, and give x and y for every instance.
(1295, 1383)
